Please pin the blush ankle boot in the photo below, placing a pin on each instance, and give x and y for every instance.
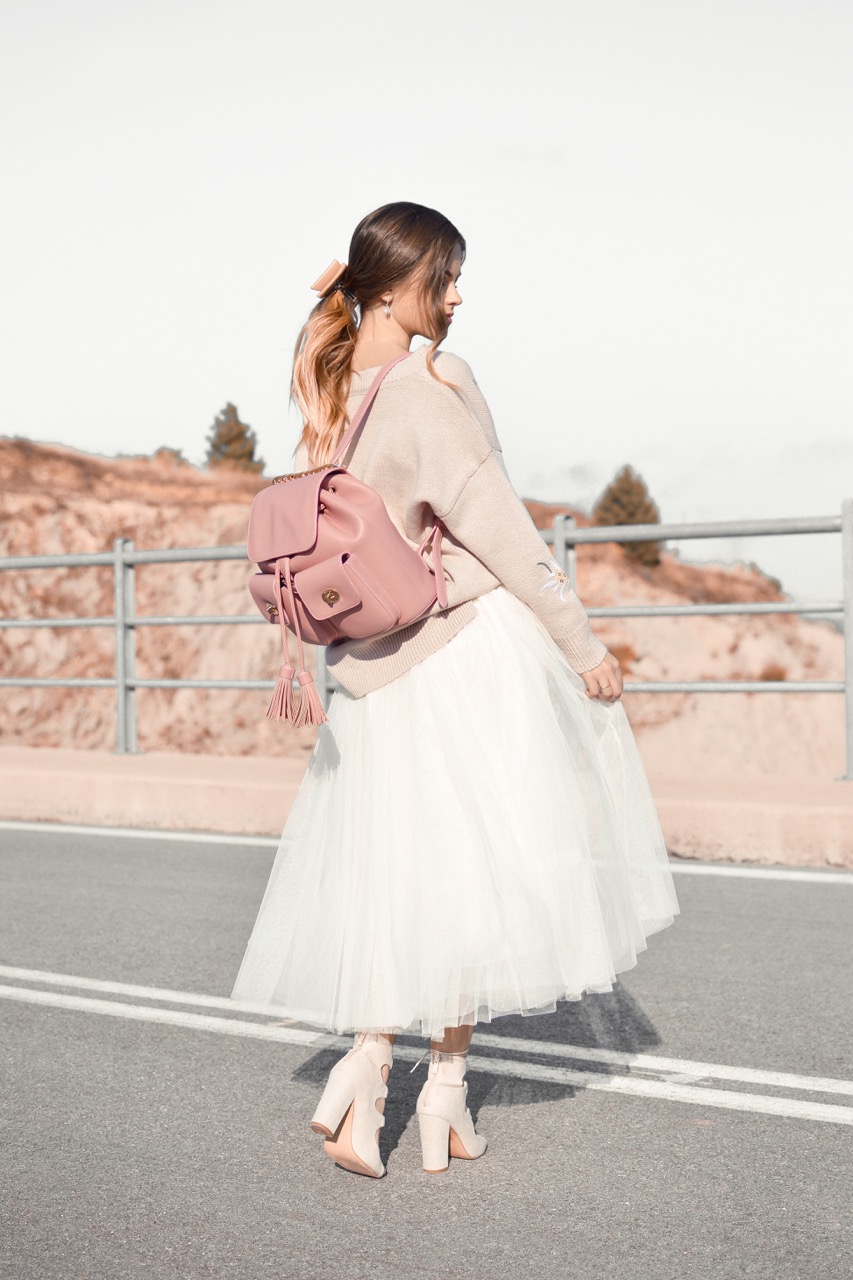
(347, 1113)
(445, 1122)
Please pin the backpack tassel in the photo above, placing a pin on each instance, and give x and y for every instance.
(310, 706)
(281, 702)
(310, 710)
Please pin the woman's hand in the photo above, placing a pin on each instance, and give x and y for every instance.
(605, 680)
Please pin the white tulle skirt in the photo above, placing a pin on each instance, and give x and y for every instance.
(476, 838)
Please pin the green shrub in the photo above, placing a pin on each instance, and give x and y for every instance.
(232, 443)
(626, 500)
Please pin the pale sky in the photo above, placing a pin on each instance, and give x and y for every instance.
(657, 197)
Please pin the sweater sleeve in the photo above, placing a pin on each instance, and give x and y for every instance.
(490, 520)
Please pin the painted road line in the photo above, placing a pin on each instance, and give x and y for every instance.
(272, 842)
(665, 1066)
(760, 873)
(171, 1017)
(633, 1086)
(538, 1048)
(143, 833)
(165, 994)
(628, 1085)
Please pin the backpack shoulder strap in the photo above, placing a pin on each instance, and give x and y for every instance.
(364, 408)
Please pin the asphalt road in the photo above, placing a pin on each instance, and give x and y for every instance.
(694, 1124)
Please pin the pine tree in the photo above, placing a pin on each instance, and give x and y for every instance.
(232, 443)
(626, 500)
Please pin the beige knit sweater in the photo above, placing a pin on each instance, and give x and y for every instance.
(427, 449)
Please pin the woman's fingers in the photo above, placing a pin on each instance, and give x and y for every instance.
(604, 692)
(605, 680)
(615, 682)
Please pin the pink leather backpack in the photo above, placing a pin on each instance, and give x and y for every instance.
(333, 565)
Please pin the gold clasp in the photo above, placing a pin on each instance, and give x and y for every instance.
(331, 596)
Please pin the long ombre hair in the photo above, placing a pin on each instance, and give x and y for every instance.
(390, 245)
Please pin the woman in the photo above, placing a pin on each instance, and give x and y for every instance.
(474, 835)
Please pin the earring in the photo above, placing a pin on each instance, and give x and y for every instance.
(387, 308)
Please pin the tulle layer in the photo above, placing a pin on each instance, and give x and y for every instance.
(476, 838)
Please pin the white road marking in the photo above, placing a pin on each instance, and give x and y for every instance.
(789, 1108)
(682, 1067)
(165, 994)
(272, 842)
(759, 873)
(143, 833)
(171, 1017)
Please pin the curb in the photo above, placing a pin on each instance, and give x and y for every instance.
(789, 821)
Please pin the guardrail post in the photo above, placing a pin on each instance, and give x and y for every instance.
(130, 647)
(120, 653)
(564, 546)
(124, 598)
(847, 587)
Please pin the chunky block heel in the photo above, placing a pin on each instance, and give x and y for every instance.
(435, 1142)
(338, 1097)
(347, 1113)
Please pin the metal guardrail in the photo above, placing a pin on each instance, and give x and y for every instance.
(124, 621)
(565, 538)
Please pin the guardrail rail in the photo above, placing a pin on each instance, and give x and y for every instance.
(564, 538)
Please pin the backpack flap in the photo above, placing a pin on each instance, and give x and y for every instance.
(326, 589)
(283, 517)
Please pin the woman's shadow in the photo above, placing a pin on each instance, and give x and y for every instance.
(612, 1020)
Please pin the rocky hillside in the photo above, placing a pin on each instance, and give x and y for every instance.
(59, 500)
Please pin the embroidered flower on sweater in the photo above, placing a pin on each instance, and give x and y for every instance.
(557, 580)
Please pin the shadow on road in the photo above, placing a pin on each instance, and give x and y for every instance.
(612, 1020)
